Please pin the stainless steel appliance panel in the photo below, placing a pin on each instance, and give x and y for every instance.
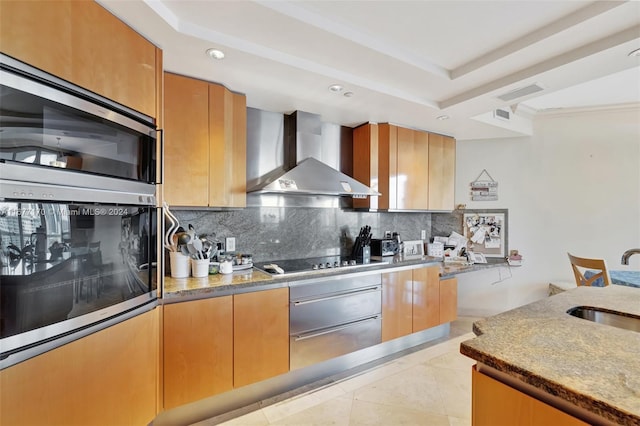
(301, 290)
(334, 316)
(48, 124)
(334, 309)
(64, 266)
(321, 345)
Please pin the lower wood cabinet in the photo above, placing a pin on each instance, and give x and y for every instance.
(198, 349)
(416, 299)
(397, 304)
(448, 300)
(107, 378)
(217, 344)
(426, 298)
(260, 335)
(495, 403)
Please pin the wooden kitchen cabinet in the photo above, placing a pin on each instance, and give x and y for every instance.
(495, 403)
(186, 141)
(416, 299)
(81, 42)
(412, 177)
(367, 168)
(426, 298)
(205, 144)
(228, 147)
(109, 377)
(410, 171)
(442, 172)
(260, 335)
(397, 304)
(198, 349)
(448, 300)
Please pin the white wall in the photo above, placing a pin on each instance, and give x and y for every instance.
(574, 186)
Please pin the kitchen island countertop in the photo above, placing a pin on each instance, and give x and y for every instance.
(592, 366)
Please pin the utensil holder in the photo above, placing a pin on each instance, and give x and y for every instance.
(199, 267)
(180, 266)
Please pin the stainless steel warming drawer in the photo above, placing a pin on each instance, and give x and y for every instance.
(334, 316)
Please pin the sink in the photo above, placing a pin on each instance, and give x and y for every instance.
(603, 316)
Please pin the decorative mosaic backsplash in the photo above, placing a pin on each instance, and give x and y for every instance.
(271, 233)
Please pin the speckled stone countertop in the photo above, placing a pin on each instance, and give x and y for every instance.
(590, 365)
(255, 279)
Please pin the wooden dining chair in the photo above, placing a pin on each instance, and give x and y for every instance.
(590, 272)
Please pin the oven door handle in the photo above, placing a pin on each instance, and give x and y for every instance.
(338, 296)
(305, 336)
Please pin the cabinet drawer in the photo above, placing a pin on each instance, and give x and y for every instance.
(320, 345)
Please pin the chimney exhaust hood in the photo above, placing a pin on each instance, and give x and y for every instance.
(302, 170)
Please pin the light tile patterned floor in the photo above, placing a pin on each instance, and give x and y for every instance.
(431, 386)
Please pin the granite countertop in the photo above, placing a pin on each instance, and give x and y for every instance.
(255, 279)
(590, 365)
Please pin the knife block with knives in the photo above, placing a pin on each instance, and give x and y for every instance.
(361, 251)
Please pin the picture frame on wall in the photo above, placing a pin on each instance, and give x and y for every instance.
(487, 231)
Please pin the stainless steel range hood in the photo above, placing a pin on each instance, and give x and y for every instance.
(305, 154)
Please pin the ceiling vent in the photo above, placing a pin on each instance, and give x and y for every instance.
(523, 91)
(502, 114)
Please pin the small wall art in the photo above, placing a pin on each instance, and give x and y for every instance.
(484, 188)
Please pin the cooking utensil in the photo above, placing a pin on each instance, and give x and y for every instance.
(169, 243)
(196, 244)
(206, 248)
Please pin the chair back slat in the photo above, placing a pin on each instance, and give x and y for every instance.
(597, 267)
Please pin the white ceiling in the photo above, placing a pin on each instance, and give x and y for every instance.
(406, 62)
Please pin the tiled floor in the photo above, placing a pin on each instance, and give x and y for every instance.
(431, 386)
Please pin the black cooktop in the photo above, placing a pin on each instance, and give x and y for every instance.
(312, 264)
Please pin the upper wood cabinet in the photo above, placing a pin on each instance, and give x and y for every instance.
(412, 169)
(412, 177)
(198, 349)
(83, 43)
(186, 141)
(107, 378)
(205, 144)
(442, 172)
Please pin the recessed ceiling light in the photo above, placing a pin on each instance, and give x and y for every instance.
(336, 88)
(635, 52)
(348, 94)
(442, 117)
(215, 53)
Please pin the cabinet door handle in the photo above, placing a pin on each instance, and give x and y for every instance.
(338, 296)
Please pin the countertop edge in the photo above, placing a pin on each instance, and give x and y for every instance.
(197, 288)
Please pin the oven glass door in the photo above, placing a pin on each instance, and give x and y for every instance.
(43, 125)
(68, 265)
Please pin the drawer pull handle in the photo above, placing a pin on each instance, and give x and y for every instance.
(334, 329)
(337, 296)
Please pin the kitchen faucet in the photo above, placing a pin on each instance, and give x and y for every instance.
(627, 254)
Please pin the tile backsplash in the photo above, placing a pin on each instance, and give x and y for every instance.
(272, 233)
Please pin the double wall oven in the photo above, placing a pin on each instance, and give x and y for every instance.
(78, 215)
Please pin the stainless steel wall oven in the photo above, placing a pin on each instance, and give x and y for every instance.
(78, 215)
